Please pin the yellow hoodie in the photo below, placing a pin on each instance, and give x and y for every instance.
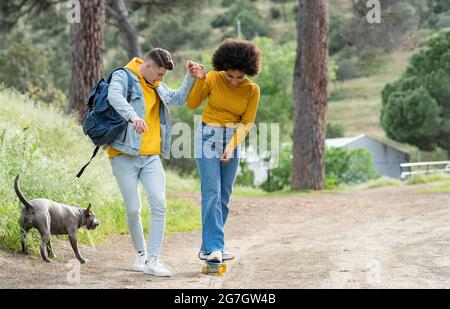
(151, 139)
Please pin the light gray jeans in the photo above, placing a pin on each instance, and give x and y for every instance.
(128, 171)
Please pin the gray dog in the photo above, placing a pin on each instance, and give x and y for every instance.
(51, 218)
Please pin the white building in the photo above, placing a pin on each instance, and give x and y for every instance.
(386, 159)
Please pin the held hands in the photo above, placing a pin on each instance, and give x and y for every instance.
(226, 156)
(139, 125)
(196, 69)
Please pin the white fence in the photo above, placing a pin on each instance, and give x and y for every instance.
(408, 169)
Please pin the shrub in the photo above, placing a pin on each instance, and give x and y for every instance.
(275, 13)
(280, 177)
(349, 167)
(245, 176)
(25, 68)
(247, 13)
(335, 130)
(415, 107)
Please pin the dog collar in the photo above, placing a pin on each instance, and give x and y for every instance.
(80, 221)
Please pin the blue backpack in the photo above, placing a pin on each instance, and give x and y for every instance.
(102, 123)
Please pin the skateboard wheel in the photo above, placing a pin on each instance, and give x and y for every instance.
(217, 269)
(205, 270)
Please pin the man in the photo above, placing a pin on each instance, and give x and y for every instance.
(134, 154)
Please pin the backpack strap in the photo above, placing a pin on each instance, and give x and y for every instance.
(86, 165)
(130, 81)
(108, 80)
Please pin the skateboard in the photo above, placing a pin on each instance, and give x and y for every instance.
(214, 268)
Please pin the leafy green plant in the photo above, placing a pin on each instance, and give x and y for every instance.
(25, 68)
(349, 167)
(416, 108)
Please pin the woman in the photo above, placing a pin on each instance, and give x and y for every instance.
(227, 118)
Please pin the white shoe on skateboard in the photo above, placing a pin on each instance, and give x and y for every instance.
(215, 256)
(226, 255)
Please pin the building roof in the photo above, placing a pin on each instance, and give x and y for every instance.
(341, 141)
(345, 141)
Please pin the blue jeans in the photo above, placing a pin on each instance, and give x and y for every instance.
(129, 170)
(216, 179)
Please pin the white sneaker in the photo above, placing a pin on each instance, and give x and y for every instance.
(202, 255)
(155, 268)
(215, 256)
(139, 262)
(227, 255)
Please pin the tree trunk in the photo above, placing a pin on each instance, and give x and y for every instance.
(310, 96)
(86, 53)
(127, 31)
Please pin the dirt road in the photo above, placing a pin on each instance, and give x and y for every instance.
(396, 237)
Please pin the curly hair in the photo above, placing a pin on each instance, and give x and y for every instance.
(237, 55)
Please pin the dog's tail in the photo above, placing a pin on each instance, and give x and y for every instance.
(20, 195)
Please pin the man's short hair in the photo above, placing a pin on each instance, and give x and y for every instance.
(161, 57)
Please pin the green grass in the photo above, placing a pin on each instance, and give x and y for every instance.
(420, 179)
(413, 180)
(47, 149)
(443, 188)
(176, 183)
(377, 183)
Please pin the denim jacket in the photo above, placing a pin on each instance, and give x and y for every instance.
(129, 141)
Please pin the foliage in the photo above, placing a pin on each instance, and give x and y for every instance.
(335, 130)
(280, 176)
(247, 13)
(172, 33)
(275, 13)
(22, 66)
(245, 175)
(338, 24)
(275, 82)
(416, 107)
(348, 167)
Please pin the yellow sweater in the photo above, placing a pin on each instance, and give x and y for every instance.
(226, 105)
(151, 139)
